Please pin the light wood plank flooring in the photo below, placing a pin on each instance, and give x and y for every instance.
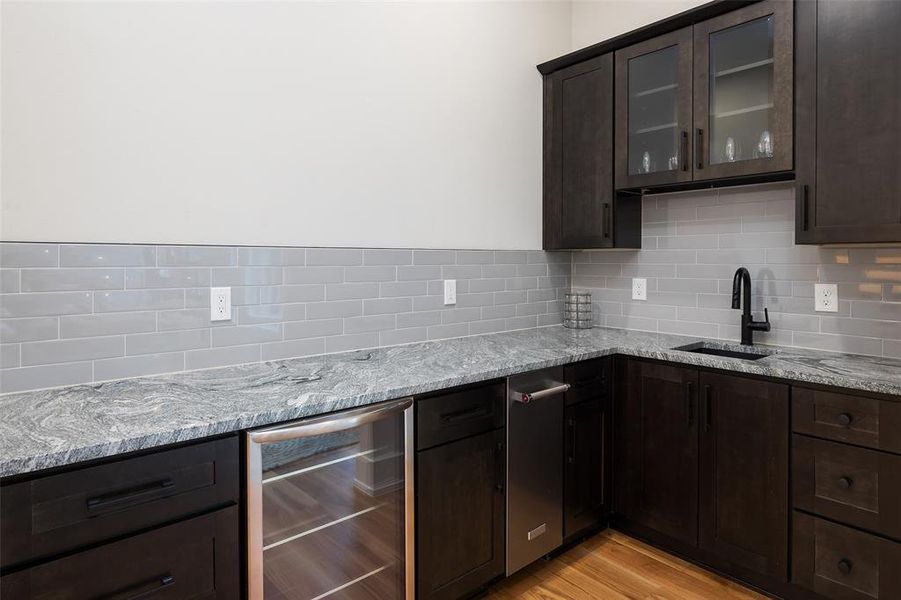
(612, 565)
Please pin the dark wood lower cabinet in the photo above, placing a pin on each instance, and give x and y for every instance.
(460, 516)
(744, 458)
(656, 447)
(585, 468)
(196, 558)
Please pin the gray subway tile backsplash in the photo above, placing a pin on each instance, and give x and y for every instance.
(694, 241)
(93, 312)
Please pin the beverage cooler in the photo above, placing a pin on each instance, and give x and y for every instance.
(330, 506)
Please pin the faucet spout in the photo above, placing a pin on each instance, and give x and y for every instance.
(741, 281)
(741, 299)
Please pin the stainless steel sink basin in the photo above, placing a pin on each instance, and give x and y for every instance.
(727, 350)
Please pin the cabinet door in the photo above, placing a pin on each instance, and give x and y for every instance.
(656, 448)
(744, 472)
(579, 156)
(585, 468)
(653, 111)
(460, 516)
(743, 92)
(848, 121)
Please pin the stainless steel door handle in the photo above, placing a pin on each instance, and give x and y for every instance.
(526, 397)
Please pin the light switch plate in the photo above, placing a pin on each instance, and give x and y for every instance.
(450, 291)
(220, 304)
(639, 288)
(825, 297)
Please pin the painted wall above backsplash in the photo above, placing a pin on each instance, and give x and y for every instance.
(693, 242)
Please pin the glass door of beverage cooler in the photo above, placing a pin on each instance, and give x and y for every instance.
(330, 506)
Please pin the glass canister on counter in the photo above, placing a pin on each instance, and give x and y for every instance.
(577, 310)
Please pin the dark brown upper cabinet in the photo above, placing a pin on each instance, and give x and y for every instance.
(848, 121)
(743, 92)
(707, 102)
(579, 205)
(653, 111)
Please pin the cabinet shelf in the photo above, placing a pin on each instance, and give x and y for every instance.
(747, 67)
(656, 90)
(744, 111)
(655, 128)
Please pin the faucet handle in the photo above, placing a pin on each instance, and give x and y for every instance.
(766, 315)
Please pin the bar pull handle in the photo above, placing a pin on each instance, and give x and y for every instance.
(689, 402)
(526, 397)
(805, 207)
(683, 151)
(571, 425)
(708, 409)
(699, 147)
(144, 589)
(606, 220)
(465, 415)
(127, 497)
(499, 467)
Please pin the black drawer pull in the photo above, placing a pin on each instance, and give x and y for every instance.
(845, 566)
(845, 483)
(466, 414)
(571, 424)
(123, 498)
(143, 590)
(708, 409)
(689, 402)
(845, 419)
(499, 467)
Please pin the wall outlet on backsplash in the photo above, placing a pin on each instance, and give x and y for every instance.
(825, 297)
(220, 304)
(450, 291)
(639, 288)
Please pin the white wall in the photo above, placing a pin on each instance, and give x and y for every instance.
(594, 21)
(286, 123)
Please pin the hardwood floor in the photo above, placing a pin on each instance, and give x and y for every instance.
(612, 565)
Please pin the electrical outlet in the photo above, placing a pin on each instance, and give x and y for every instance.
(450, 291)
(639, 288)
(220, 304)
(825, 297)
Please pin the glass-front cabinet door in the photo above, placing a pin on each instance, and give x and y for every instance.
(653, 111)
(743, 92)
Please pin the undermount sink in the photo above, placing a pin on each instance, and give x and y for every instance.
(727, 350)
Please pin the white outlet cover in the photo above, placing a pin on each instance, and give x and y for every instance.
(450, 291)
(220, 304)
(639, 288)
(825, 297)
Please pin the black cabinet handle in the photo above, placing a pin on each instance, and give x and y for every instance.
(499, 467)
(466, 414)
(143, 589)
(683, 151)
(571, 425)
(708, 409)
(845, 483)
(845, 419)
(689, 404)
(699, 147)
(606, 220)
(805, 207)
(134, 495)
(845, 566)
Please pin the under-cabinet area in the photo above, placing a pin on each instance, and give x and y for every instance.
(787, 488)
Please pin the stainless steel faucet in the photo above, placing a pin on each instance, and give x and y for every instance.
(741, 298)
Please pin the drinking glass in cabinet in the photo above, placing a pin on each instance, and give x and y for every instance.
(741, 92)
(653, 119)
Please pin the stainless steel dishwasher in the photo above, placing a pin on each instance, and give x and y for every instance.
(330, 506)
(534, 465)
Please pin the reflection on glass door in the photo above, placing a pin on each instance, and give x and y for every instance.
(741, 82)
(654, 134)
(327, 507)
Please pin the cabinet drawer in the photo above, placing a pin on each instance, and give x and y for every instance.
(59, 513)
(197, 558)
(847, 418)
(842, 563)
(852, 485)
(587, 379)
(455, 415)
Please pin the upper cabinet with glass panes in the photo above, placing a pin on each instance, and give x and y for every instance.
(707, 102)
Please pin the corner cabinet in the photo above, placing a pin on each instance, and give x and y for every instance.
(848, 121)
(708, 102)
(580, 211)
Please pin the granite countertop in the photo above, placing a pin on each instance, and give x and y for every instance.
(51, 428)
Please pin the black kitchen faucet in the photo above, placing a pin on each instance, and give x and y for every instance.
(741, 298)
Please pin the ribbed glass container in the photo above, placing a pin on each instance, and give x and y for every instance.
(577, 310)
